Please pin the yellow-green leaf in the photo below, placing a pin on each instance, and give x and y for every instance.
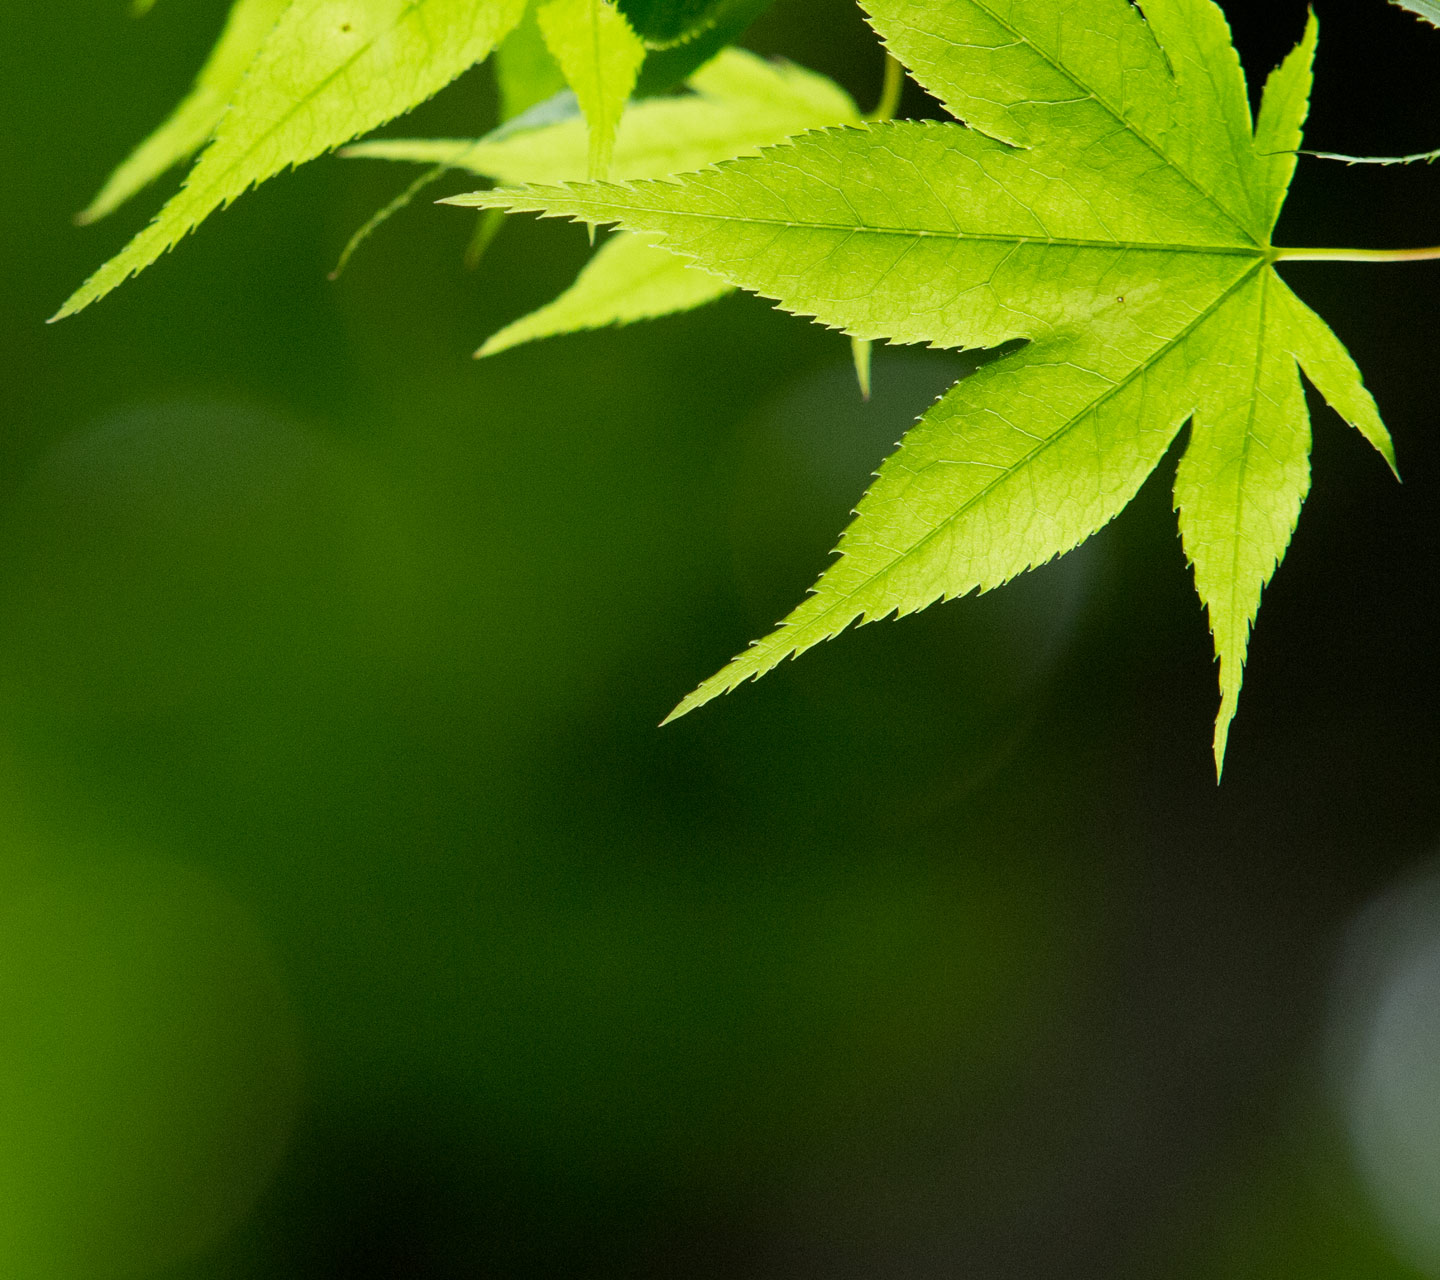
(329, 70)
(738, 104)
(600, 54)
(628, 279)
(191, 123)
(1111, 206)
(526, 72)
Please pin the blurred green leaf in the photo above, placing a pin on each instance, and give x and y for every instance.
(525, 70)
(661, 23)
(739, 103)
(1427, 9)
(628, 279)
(665, 68)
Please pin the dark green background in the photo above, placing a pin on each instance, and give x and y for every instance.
(348, 889)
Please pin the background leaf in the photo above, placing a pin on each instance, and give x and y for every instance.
(665, 68)
(526, 72)
(628, 279)
(329, 70)
(739, 104)
(194, 120)
(600, 56)
(668, 22)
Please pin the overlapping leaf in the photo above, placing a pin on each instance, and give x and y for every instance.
(191, 123)
(738, 104)
(1110, 204)
(526, 72)
(662, 23)
(600, 54)
(327, 71)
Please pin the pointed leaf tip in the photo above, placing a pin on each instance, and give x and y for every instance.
(327, 71)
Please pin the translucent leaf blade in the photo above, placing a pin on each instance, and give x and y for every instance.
(911, 232)
(600, 55)
(1091, 77)
(1214, 142)
(329, 70)
(1244, 475)
(1278, 131)
(191, 123)
(627, 280)
(1329, 366)
(1017, 464)
(526, 73)
(740, 104)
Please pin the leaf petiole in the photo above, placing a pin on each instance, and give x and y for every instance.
(890, 91)
(1419, 157)
(1354, 255)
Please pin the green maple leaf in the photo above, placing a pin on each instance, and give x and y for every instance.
(600, 55)
(526, 72)
(1111, 203)
(628, 279)
(738, 104)
(190, 125)
(327, 71)
(663, 23)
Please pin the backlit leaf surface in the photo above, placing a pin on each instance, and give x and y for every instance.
(1111, 205)
(526, 72)
(329, 70)
(600, 55)
(627, 280)
(191, 123)
(738, 104)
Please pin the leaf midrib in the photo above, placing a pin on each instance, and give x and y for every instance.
(1122, 120)
(1251, 250)
(299, 104)
(1040, 448)
(1248, 442)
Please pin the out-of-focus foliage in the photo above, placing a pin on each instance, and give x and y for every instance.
(1426, 9)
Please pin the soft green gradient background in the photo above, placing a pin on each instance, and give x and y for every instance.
(355, 918)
